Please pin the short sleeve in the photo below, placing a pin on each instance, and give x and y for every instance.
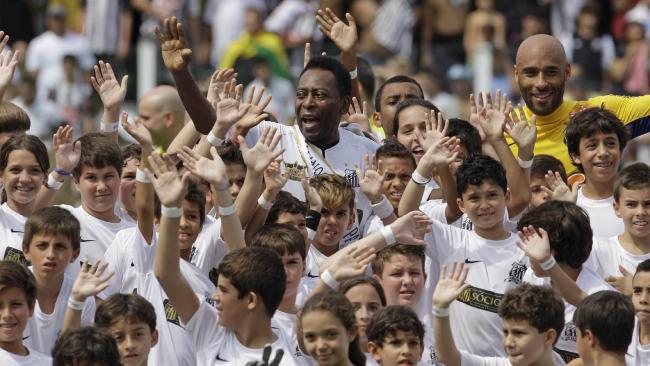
(203, 326)
(468, 359)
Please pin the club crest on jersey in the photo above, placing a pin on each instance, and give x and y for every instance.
(352, 177)
(15, 255)
(170, 313)
(569, 333)
(516, 273)
(294, 170)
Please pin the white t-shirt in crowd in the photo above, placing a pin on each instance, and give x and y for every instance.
(313, 261)
(305, 288)
(217, 345)
(34, 358)
(589, 282)
(603, 219)
(467, 359)
(288, 325)
(43, 329)
(12, 230)
(342, 159)
(123, 215)
(607, 254)
(209, 249)
(96, 236)
(494, 267)
(637, 354)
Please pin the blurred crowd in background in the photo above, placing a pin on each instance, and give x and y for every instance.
(451, 47)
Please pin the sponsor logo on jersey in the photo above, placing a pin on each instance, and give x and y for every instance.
(170, 313)
(16, 255)
(481, 299)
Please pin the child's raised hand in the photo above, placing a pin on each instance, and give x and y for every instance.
(359, 115)
(90, 281)
(372, 179)
(440, 154)
(476, 109)
(218, 82)
(450, 285)
(260, 156)
(172, 44)
(254, 106)
(623, 283)
(169, 187)
(343, 35)
(66, 153)
(535, 243)
(436, 129)
(227, 107)
(350, 263)
(105, 84)
(137, 130)
(211, 170)
(522, 133)
(411, 228)
(311, 195)
(493, 117)
(8, 62)
(559, 190)
(274, 179)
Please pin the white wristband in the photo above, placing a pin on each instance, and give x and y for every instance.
(263, 203)
(214, 140)
(440, 312)
(227, 211)
(171, 212)
(329, 280)
(419, 178)
(388, 235)
(525, 164)
(109, 127)
(354, 73)
(141, 176)
(548, 264)
(75, 305)
(53, 183)
(383, 209)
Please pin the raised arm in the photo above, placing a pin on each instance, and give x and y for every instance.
(274, 180)
(176, 57)
(170, 189)
(450, 285)
(90, 282)
(112, 94)
(144, 195)
(371, 182)
(8, 62)
(66, 157)
(348, 263)
(525, 136)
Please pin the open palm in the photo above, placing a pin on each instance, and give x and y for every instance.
(176, 55)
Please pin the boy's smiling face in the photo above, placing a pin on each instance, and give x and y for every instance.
(14, 315)
(99, 188)
(633, 207)
(484, 204)
(600, 156)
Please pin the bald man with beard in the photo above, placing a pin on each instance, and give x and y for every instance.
(162, 112)
(542, 71)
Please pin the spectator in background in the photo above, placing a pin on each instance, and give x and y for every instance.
(44, 59)
(44, 114)
(442, 34)
(631, 68)
(72, 96)
(108, 25)
(591, 54)
(484, 17)
(282, 103)
(640, 13)
(255, 41)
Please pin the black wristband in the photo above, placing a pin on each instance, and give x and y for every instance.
(312, 219)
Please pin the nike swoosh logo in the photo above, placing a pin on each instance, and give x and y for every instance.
(311, 275)
(469, 261)
(85, 240)
(26, 337)
(17, 231)
(220, 359)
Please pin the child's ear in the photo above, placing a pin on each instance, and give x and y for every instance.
(154, 338)
(551, 336)
(375, 351)
(75, 254)
(460, 203)
(617, 207)
(575, 158)
(169, 119)
(75, 182)
(507, 195)
(253, 301)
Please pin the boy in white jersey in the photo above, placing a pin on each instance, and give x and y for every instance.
(395, 336)
(570, 239)
(251, 281)
(638, 353)
(616, 258)
(533, 316)
(17, 298)
(595, 139)
(51, 244)
(86, 346)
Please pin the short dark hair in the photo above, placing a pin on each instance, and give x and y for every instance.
(643, 266)
(602, 313)
(341, 308)
(386, 254)
(131, 151)
(393, 80)
(52, 220)
(131, 307)
(466, 133)
(341, 74)
(633, 176)
(98, 151)
(568, 228)
(391, 148)
(258, 270)
(283, 239)
(477, 169)
(389, 320)
(543, 163)
(407, 103)
(538, 305)
(194, 194)
(365, 76)
(347, 285)
(86, 346)
(14, 274)
(589, 122)
(30, 143)
(230, 154)
(13, 118)
(285, 202)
